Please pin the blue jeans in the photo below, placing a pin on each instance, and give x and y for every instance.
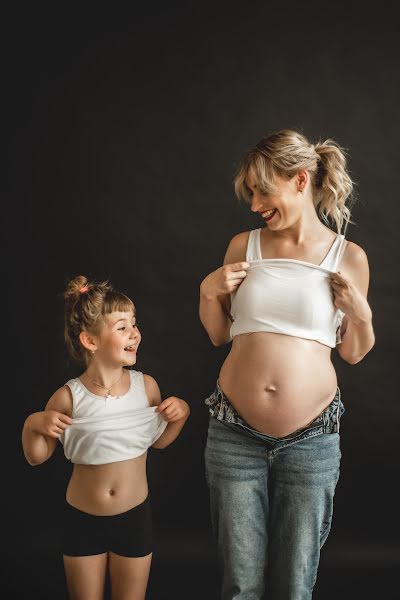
(271, 501)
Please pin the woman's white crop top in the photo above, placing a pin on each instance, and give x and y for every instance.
(106, 430)
(288, 296)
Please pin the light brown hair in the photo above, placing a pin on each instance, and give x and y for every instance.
(286, 152)
(86, 303)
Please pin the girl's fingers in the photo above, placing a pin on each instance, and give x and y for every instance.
(65, 419)
(164, 405)
(174, 416)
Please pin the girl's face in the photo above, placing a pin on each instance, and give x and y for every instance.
(280, 209)
(118, 340)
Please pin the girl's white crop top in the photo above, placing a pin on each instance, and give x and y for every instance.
(287, 296)
(106, 430)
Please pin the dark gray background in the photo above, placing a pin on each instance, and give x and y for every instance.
(124, 130)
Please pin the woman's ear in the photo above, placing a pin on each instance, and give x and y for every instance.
(87, 341)
(302, 177)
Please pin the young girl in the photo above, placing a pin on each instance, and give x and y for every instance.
(106, 420)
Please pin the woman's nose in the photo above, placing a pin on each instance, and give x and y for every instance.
(255, 203)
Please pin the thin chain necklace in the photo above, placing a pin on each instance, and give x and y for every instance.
(105, 387)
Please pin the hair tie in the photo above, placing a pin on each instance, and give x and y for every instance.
(84, 290)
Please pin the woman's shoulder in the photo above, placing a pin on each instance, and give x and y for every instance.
(354, 257)
(237, 247)
(354, 265)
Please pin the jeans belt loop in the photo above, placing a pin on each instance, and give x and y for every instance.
(220, 405)
(324, 422)
(337, 414)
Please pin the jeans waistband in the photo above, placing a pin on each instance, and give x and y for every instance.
(327, 422)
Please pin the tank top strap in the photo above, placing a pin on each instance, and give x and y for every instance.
(74, 388)
(340, 253)
(253, 246)
(137, 378)
(331, 260)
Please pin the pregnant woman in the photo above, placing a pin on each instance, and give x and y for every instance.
(286, 295)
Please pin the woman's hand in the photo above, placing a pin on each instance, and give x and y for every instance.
(173, 409)
(224, 280)
(349, 299)
(48, 422)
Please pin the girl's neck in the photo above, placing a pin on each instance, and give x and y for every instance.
(105, 377)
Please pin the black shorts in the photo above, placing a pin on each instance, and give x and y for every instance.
(127, 534)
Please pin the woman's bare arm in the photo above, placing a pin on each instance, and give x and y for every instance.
(350, 288)
(215, 290)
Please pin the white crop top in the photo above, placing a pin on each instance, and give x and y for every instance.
(288, 296)
(106, 430)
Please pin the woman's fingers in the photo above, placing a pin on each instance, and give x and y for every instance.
(234, 275)
(240, 266)
(235, 281)
(237, 274)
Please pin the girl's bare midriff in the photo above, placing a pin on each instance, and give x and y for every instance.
(278, 383)
(108, 489)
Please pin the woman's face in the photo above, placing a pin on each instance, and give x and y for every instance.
(281, 208)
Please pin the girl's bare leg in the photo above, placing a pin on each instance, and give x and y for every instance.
(85, 576)
(129, 576)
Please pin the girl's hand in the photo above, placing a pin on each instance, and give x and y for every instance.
(173, 409)
(48, 422)
(224, 280)
(349, 299)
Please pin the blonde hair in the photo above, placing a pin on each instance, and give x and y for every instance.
(86, 303)
(286, 152)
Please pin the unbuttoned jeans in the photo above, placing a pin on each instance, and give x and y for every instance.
(271, 501)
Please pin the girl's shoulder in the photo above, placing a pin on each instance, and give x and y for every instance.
(61, 401)
(152, 390)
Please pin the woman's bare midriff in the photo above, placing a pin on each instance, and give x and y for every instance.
(278, 383)
(108, 489)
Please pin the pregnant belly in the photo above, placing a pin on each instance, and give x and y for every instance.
(278, 383)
